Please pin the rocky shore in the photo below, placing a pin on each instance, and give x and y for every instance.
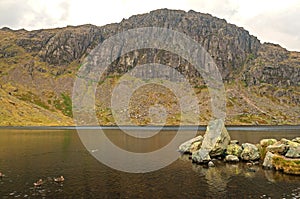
(282, 155)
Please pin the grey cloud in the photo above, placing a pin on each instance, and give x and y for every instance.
(274, 25)
(13, 15)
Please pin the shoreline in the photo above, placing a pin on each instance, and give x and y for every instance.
(164, 128)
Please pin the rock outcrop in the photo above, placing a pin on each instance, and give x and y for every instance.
(215, 142)
(263, 79)
(283, 155)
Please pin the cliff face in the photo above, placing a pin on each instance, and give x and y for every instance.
(40, 66)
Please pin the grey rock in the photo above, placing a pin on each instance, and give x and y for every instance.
(278, 148)
(267, 142)
(216, 138)
(201, 156)
(186, 146)
(250, 152)
(293, 152)
(211, 164)
(234, 142)
(268, 161)
(231, 158)
(297, 139)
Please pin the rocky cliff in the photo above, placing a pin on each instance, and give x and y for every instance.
(262, 80)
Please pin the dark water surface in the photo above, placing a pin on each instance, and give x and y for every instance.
(27, 155)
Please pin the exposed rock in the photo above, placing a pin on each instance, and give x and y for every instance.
(216, 138)
(234, 149)
(195, 146)
(289, 142)
(211, 164)
(268, 161)
(267, 142)
(231, 158)
(297, 139)
(191, 145)
(293, 152)
(201, 156)
(278, 147)
(287, 165)
(250, 152)
(234, 142)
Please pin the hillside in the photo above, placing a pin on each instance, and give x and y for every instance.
(38, 69)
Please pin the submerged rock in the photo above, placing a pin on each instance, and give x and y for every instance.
(191, 144)
(231, 158)
(234, 149)
(250, 152)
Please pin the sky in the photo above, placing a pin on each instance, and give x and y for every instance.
(275, 21)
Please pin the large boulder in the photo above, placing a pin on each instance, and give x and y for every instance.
(190, 145)
(250, 152)
(215, 142)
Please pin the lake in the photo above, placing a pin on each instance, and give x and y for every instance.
(27, 155)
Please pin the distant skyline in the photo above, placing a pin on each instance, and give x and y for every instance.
(273, 21)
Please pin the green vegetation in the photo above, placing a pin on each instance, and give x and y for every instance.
(64, 104)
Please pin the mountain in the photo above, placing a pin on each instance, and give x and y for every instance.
(38, 69)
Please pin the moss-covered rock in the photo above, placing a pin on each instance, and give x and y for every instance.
(234, 149)
(287, 165)
(267, 142)
(250, 152)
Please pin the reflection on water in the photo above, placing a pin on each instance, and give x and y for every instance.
(27, 155)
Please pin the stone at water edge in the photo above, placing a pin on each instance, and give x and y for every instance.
(214, 143)
(195, 146)
(232, 158)
(201, 156)
(234, 149)
(278, 147)
(267, 142)
(216, 138)
(289, 142)
(268, 161)
(250, 152)
(185, 147)
(287, 165)
(293, 152)
(297, 139)
(233, 142)
(211, 164)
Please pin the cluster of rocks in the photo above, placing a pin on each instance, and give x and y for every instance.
(283, 155)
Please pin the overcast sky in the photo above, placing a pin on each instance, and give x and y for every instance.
(275, 21)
